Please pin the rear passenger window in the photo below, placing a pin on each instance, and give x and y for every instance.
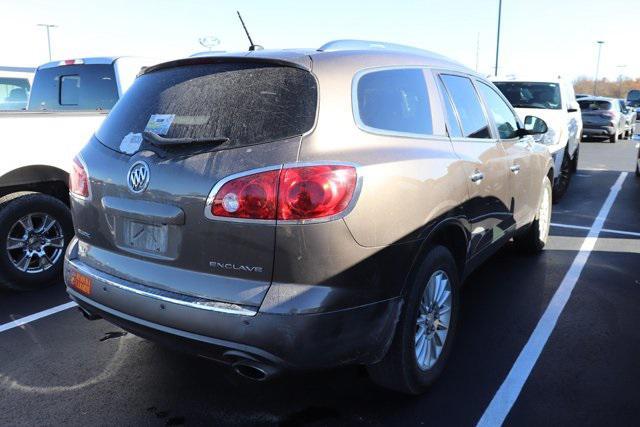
(453, 126)
(395, 100)
(474, 122)
(69, 90)
(506, 121)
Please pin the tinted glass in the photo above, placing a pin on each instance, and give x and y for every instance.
(395, 100)
(74, 88)
(474, 123)
(531, 95)
(452, 121)
(506, 121)
(246, 102)
(14, 93)
(586, 105)
(633, 95)
(69, 90)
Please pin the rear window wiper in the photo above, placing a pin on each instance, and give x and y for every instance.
(161, 141)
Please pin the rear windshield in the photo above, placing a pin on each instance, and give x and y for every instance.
(74, 88)
(633, 95)
(587, 105)
(247, 103)
(14, 93)
(531, 94)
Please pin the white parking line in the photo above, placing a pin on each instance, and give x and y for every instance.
(604, 230)
(510, 389)
(36, 316)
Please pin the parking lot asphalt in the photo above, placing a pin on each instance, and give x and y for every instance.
(63, 369)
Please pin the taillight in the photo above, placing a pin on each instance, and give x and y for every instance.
(78, 179)
(292, 193)
(315, 191)
(608, 114)
(251, 196)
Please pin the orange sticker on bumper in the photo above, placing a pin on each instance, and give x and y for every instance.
(81, 283)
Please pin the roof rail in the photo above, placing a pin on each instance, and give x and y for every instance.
(349, 44)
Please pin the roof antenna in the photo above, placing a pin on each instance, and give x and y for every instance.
(253, 46)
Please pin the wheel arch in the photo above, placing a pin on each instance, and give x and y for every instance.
(452, 233)
(37, 178)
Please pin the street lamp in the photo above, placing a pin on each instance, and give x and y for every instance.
(498, 38)
(47, 26)
(595, 81)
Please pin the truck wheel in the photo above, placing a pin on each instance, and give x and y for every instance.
(426, 328)
(564, 179)
(34, 232)
(534, 239)
(574, 161)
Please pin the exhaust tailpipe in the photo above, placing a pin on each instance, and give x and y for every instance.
(88, 315)
(253, 370)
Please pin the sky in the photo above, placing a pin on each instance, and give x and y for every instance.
(538, 37)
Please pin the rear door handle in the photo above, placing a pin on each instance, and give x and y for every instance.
(477, 176)
(515, 168)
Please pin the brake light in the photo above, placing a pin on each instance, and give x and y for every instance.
(71, 62)
(78, 179)
(608, 114)
(294, 193)
(315, 191)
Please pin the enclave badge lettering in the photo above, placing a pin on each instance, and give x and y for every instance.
(230, 266)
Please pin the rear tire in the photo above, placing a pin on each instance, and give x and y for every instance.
(35, 230)
(405, 368)
(535, 238)
(574, 161)
(613, 138)
(564, 179)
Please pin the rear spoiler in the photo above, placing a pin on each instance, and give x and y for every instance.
(220, 60)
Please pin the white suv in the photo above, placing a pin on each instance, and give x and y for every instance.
(554, 101)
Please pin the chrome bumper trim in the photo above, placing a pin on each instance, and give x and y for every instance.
(161, 295)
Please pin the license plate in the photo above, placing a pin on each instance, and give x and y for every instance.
(145, 237)
(81, 283)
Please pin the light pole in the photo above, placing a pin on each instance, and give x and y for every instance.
(595, 81)
(498, 38)
(47, 26)
(621, 67)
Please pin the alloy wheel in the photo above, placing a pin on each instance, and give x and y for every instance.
(434, 316)
(35, 243)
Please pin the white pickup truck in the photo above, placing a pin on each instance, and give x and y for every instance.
(67, 103)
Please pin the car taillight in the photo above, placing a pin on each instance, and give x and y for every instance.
(252, 197)
(315, 191)
(78, 179)
(608, 114)
(292, 193)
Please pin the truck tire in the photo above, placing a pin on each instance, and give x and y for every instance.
(535, 238)
(564, 178)
(35, 230)
(574, 161)
(423, 337)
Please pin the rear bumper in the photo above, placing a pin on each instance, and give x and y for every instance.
(598, 131)
(283, 341)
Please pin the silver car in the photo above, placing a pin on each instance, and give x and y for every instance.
(303, 209)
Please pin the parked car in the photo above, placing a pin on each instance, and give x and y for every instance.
(68, 101)
(630, 118)
(278, 216)
(602, 118)
(554, 101)
(15, 84)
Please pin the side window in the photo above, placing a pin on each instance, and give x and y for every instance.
(506, 121)
(395, 100)
(452, 121)
(472, 118)
(70, 90)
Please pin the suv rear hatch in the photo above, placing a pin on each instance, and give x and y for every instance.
(254, 112)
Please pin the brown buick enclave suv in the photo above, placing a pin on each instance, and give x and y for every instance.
(299, 209)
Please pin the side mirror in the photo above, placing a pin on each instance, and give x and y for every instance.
(533, 126)
(573, 107)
